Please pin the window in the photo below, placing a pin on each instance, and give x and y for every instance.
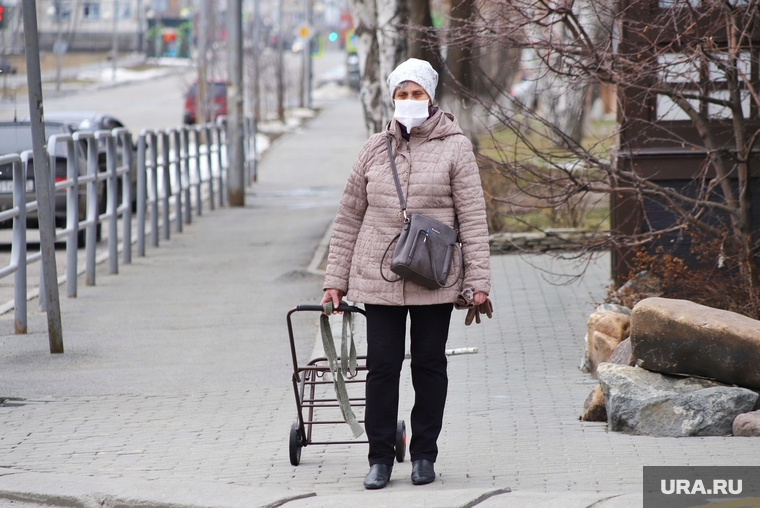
(719, 111)
(122, 10)
(677, 68)
(91, 10)
(62, 11)
(743, 66)
(669, 110)
(667, 4)
(695, 74)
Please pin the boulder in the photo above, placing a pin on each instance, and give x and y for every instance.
(606, 330)
(594, 409)
(682, 337)
(651, 404)
(613, 307)
(623, 354)
(747, 424)
(644, 284)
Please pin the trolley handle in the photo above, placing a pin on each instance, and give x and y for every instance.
(343, 307)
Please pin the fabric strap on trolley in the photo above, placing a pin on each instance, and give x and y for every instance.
(344, 367)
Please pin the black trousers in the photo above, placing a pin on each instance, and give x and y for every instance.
(386, 333)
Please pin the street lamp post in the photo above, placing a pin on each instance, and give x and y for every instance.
(235, 148)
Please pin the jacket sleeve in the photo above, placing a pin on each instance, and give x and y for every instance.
(470, 207)
(348, 221)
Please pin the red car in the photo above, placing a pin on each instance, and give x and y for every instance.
(217, 90)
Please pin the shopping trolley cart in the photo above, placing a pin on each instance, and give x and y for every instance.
(314, 394)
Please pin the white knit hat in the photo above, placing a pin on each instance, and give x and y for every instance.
(419, 71)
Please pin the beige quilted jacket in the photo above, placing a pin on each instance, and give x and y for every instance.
(439, 177)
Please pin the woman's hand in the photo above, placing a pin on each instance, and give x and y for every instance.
(478, 298)
(333, 295)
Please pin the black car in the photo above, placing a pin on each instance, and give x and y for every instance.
(16, 137)
(6, 67)
(94, 121)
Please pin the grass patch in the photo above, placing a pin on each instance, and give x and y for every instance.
(511, 210)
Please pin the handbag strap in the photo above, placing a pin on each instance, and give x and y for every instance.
(401, 199)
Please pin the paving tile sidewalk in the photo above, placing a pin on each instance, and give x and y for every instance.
(175, 386)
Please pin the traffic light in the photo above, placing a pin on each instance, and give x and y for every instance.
(2, 16)
(333, 36)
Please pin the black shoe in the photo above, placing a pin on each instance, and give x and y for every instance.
(422, 472)
(378, 476)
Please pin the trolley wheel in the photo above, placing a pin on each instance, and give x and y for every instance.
(296, 443)
(400, 441)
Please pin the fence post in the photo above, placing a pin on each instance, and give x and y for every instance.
(219, 145)
(72, 218)
(93, 207)
(199, 177)
(167, 182)
(255, 150)
(126, 190)
(18, 249)
(142, 185)
(154, 189)
(178, 178)
(185, 151)
(113, 227)
(209, 160)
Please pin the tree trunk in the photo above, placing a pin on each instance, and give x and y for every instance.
(562, 98)
(391, 42)
(422, 42)
(458, 78)
(381, 46)
(365, 20)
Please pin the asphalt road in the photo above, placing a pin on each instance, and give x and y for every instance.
(155, 103)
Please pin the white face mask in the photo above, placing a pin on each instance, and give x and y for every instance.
(411, 113)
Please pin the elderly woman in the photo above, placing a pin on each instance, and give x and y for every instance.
(439, 178)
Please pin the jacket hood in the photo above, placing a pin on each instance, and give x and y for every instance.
(440, 125)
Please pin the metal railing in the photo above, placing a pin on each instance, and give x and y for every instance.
(174, 172)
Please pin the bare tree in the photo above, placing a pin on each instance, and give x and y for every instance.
(381, 46)
(677, 168)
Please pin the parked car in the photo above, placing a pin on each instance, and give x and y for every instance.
(217, 90)
(15, 137)
(353, 76)
(6, 67)
(94, 121)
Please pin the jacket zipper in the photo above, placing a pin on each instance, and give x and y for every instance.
(409, 152)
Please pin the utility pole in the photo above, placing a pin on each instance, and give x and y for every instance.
(235, 148)
(201, 98)
(307, 57)
(280, 65)
(42, 180)
(57, 47)
(115, 37)
(256, 65)
(140, 26)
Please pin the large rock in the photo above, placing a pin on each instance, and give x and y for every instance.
(747, 424)
(682, 337)
(606, 329)
(594, 409)
(651, 404)
(623, 354)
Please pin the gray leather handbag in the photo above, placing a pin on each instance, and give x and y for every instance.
(425, 247)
